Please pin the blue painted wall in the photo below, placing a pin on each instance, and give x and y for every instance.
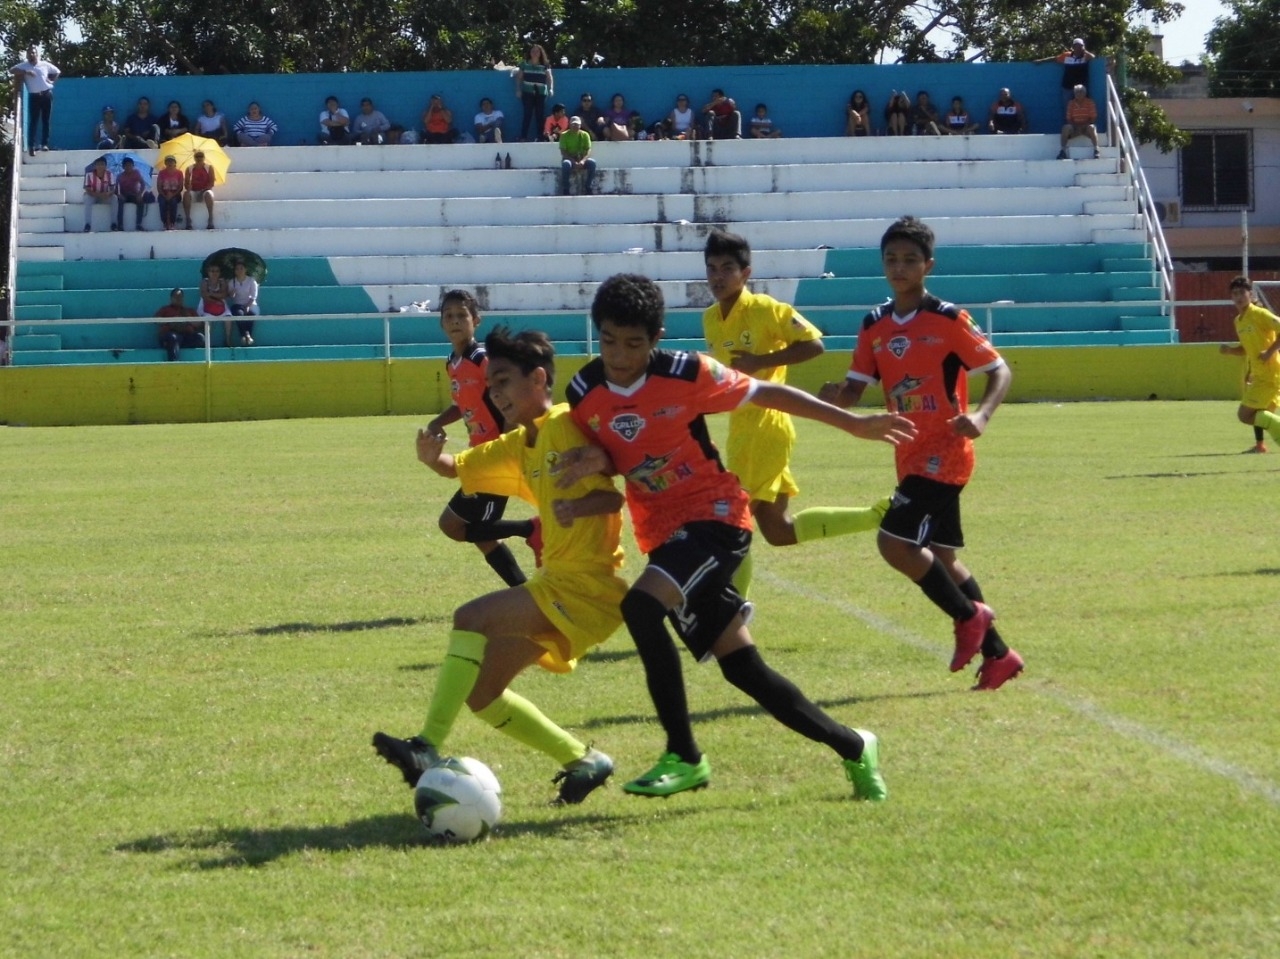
(804, 101)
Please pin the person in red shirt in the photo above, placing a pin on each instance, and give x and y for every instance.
(921, 349)
(645, 409)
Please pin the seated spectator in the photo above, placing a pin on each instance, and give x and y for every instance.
(198, 181)
(169, 186)
(369, 125)
(242, 300)
(762, 127)
(141, 132)
(614, 123)
(638, 130)
(99, 187)
(212, 124)
(556, 124)
(213, 294)
(175, 336)
(589, 114)
(1006, 114)
(106, 132)
(924, 117)
(957, 122)
(1082, 114)
(437, 122)
(131, 187)
(488, 123)
(575, 154)
(897, 113)
(174, 123)
(724, 120)
(857, 115)
(680, 122)
(255, 128)
(335, 123)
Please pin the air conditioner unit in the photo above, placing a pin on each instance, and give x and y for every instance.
(1169, 212)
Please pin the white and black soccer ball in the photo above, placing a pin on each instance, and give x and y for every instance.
(458, 800)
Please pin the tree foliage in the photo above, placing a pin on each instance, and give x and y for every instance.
(1244, 50)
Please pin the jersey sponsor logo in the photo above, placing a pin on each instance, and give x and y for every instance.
(716, 370)
(899, 345)
(899, 391)
(666, 412)
(934, 465)
(627, 425)
(651, 473)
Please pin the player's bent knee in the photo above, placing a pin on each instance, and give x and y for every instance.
(641, 609)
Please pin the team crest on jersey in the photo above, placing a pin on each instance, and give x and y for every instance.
(746, 339)
(627, 425)
(593, 424)
(716, 370)
(899, 345)
(455, 386)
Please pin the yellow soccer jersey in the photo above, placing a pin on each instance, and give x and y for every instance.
(1257, 328)
(506, 466)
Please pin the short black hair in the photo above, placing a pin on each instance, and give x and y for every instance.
(724, 243)
(465, 298)
(1241, 283)
(529, 350)
(629, 299)
(913, 231)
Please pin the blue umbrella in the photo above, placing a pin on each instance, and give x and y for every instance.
(115, 163)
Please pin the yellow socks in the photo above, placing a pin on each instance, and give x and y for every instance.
(824, 522)
(513, 715)
(457, 676)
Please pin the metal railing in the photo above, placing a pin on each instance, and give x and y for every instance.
(19, 151)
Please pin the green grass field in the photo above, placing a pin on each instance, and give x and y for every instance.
(203, 625)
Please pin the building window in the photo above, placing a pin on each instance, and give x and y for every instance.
(1216, 171)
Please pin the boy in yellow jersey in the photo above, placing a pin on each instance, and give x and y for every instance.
(1258, 331)
(759, 336)
(571, 603)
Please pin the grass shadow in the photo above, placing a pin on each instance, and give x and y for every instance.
(354, 626)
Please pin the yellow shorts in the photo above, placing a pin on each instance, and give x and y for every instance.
(584, 607)
(1261, 394)
(760, 443)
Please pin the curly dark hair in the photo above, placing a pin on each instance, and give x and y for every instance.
(629, 299)
(465, 298)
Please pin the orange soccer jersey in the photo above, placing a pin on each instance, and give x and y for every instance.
(471, 394)
(921, 361)
(656, 435)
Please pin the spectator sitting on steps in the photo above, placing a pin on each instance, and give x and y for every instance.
(1082, 114)
(575, 154)
(181, 333)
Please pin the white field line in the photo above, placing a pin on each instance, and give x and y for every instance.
(1243, 778)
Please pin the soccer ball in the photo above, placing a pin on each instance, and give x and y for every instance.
(458, 800)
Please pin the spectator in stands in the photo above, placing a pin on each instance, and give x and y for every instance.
(106, 132)
(213, 296)
(534, 83)
(762, 127)
(169, 186)
(174, 123)
(924, 116)
(723, 118)
(198, 181)
(897, 113)
(556, 124)
(615, 122)
(680, 123)
(370, 125)
(1007, 114)
(141, 132)
(242, 300)
(99, 187)
(488, 122)
(589, 114)
(131, 187)
(858, 115)
(255, 128)
(575, 154)
(437, 122)
(1082, 114)
(174, 336)
(38, 76)
(335, 123)
(957, 122)
(212, 124)
(1075, 67)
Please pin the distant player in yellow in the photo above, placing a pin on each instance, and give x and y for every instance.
(760, 336)
(570, 604)
(1258, 331)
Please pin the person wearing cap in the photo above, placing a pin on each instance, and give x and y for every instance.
(556, 124)
(174, 336)
(369, 125)
(106, 132)
(38, 76)
(575, 154)
(1075, 67)
(437, 122)
(169, 186)
(198, 183)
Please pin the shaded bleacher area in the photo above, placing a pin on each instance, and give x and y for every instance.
(1042, 251)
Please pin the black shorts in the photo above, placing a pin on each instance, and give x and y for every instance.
(924, 511)
(478, 508)
(701, 559)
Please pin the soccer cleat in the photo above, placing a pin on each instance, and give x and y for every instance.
(580, 778)
(969, 635)
(410, 756)
(864, 773)
(994, 673)
(534, 541)
(670, 776)
(1257, 448)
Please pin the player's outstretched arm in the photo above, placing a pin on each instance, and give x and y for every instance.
(1231, 349)
(747, 362)
(431, 454)
(599, 502)
(844, 394)
(888, 427)
(446, 418)
(974, 423)
(580, 462)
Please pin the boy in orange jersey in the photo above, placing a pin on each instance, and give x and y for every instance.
(920, 349)
(645, 409)
(476, 518)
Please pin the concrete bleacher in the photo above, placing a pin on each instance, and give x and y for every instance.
(1041, 250)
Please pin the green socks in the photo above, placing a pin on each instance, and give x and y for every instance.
(824, 522)
(1269, 422)
(742, 575)
(457, 676)
(513, 715)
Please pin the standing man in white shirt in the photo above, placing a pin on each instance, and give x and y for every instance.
(38, 76)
